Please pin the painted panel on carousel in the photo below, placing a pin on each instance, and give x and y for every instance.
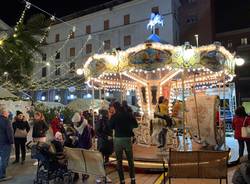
(213, 60)
(150, 59)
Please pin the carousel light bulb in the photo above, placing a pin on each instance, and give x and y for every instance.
(48, 64)
(79, 71)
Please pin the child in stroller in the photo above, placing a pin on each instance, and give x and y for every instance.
(52, 164)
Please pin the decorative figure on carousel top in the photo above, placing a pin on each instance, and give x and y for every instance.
(155, 19)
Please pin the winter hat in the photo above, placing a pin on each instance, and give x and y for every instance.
(18, 113)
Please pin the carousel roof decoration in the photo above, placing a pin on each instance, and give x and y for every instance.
(156, 63)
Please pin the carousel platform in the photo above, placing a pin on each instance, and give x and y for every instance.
(146, 158)
(151, 158)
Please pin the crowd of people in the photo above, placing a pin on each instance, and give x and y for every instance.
(113, 130)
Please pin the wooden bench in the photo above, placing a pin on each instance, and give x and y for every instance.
(86, 162)
(198, 164)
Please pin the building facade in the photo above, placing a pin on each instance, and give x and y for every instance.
(197, 18)
(117, 24)
(238, 41)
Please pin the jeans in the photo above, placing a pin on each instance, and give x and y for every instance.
(242, 146)
(124, 144)
(162, 137)
(20, 143)
(4, 159)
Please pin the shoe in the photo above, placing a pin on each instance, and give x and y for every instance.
(133, 181)
(36, 163)
(15, 162)
(98, 180)
(161, 146)
(76, 177)
(85, 177)
(6, 178)
(108, 180)
(22, 162)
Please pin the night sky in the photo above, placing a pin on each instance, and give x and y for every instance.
(12, 9)
(229, 14)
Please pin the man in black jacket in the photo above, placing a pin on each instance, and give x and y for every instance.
(6, 141)
(123, 124)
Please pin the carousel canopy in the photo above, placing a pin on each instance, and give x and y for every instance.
(151, 56)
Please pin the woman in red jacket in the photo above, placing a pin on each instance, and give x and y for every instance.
(241, 118)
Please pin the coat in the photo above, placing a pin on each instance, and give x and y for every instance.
(6, 132)
(22, 125)
(55, 125)
(39, 129)
(238, 124)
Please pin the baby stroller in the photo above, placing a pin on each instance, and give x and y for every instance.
(51, 166)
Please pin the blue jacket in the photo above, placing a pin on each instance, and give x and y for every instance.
(6, 132)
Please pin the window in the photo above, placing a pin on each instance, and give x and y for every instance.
(44, 71)
(72, 52)
(72, 35)
(107, 44)
(58, 70)
(88, 29)
(192, 19)
(157, 31)
(106, 24)
(57, 55)
(57, 39)
(127, 40)
(243, 41)
(72, 67)
(155, 9)
(44, 57)
(126, 19)
(88, 48)
(229, 44)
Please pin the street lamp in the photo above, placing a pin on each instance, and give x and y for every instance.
(239, 61)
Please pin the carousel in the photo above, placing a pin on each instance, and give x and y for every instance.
(180, 74)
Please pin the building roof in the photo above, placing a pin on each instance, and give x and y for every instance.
(93, 9)
(233, 32)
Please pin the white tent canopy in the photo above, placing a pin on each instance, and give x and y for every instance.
(51, 104)
(86, 104)
(6, 94)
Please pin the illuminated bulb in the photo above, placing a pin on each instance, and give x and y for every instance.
(79, 71)
(48, 64)
(239, 61)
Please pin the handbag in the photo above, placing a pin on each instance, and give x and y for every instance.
(19, 133)
(245, 131)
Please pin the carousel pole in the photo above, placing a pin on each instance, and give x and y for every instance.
(196, 109)
(183, 109)
(224, 105)
(93, 101)
(121, 89)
